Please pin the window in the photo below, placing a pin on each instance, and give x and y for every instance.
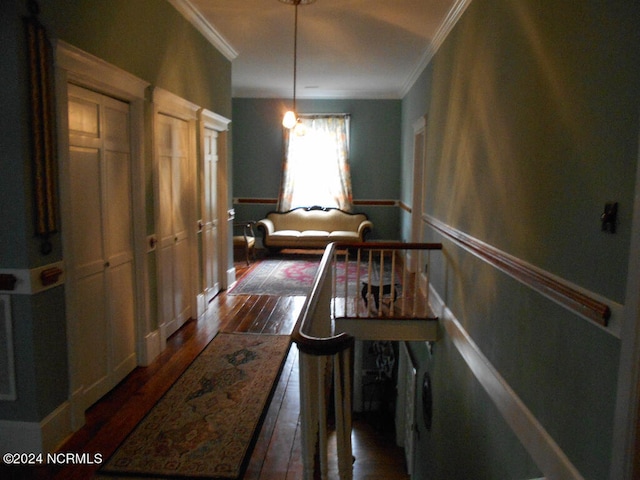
(316, 166)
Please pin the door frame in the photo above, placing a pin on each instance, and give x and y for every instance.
(213, 121)
(419, 157)
(80, 68)
(167, 103)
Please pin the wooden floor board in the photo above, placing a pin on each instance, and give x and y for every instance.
(271, 429)
(278, 458)
(284, 315)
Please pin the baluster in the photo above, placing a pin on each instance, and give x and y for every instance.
(309, 405)
(393, 283)
(416, 287)
(426, 272)
(334, 284)
(381, 283)
(323, 434)
(405, 289)
(355, 294)
(346, 281)
(369, 282)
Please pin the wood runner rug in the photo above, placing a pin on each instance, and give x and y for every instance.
(206, 424)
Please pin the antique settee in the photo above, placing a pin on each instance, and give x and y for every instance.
(312, 227)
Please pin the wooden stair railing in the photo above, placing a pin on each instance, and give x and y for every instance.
(325, 336)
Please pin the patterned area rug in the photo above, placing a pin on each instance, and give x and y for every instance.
(284, 277)
(278, 277)
(205, 425)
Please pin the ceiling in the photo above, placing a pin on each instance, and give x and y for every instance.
(346, 48)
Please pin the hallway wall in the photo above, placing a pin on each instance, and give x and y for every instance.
(146, 38)
(532, 126)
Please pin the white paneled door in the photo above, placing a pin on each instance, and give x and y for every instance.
(210, 214)
(100, 260)
(175, 190)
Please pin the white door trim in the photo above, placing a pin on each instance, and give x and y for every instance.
(213, 121)
(167, 103)
(419, 149)
(78, 67)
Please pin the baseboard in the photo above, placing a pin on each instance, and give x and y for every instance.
(37, 437)
(56, 427)
(78, 408)
(231, 277)
(152, 348)
(201, 305)
(166, 330)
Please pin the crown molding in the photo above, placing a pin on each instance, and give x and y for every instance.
(188, 11)
(443, 31)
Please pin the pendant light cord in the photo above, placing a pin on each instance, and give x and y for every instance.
(295, 53)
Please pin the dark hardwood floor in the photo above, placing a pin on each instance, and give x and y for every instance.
(276, 454)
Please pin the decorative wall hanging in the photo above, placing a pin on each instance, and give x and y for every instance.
(42, 115)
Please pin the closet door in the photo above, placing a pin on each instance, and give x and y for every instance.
(101, 256)
(175, 179)
(210, 214)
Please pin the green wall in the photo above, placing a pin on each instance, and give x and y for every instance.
(532, 127)
(374, 158)
(147, 38)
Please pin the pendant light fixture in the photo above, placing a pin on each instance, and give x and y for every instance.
(290, 119)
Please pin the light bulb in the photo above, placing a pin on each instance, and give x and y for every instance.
(289, 120)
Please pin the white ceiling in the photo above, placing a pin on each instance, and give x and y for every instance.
(346, 48)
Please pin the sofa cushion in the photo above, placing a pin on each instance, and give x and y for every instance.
(286, 233)
(314, 233)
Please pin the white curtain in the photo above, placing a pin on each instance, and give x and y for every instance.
(316, 164)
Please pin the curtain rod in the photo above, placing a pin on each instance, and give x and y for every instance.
(322, 115)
